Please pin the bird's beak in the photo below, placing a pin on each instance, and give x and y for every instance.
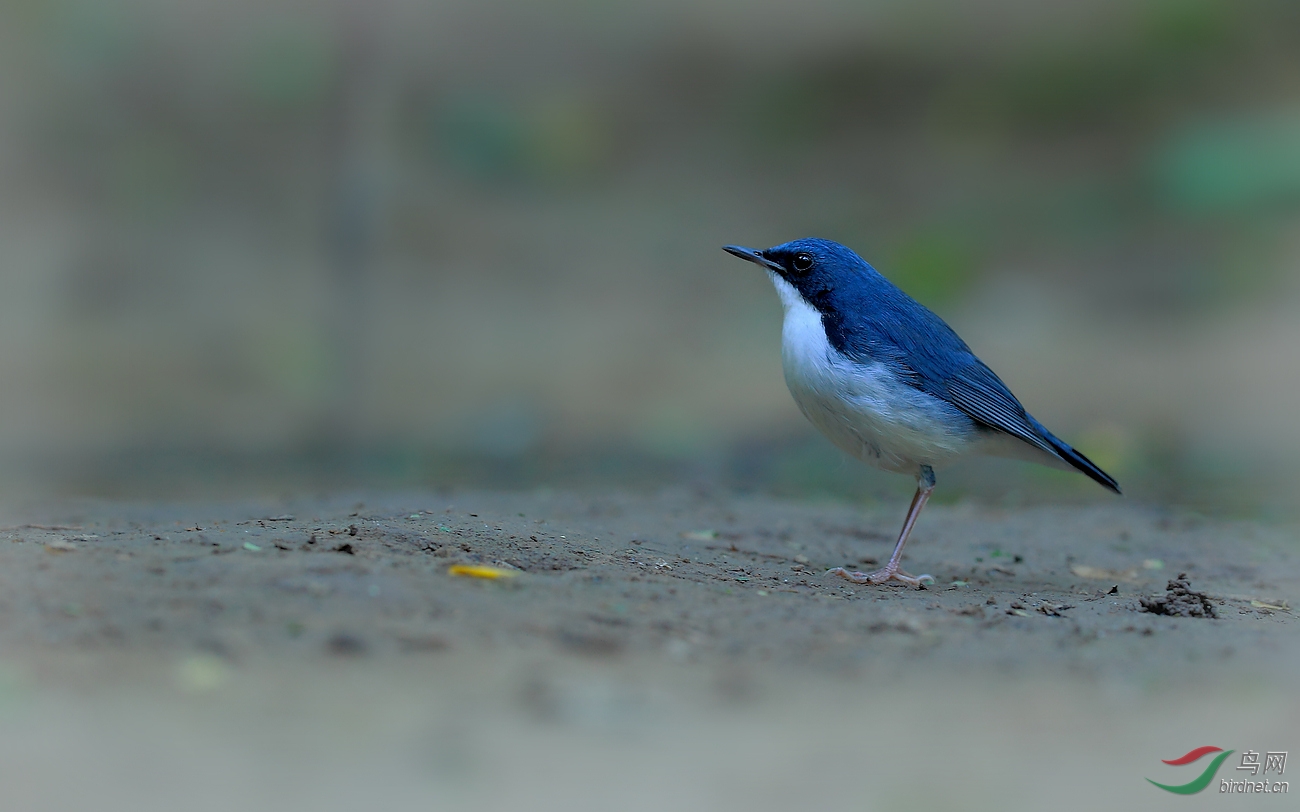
(751, 255)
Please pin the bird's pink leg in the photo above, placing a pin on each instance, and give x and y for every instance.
(891, 571)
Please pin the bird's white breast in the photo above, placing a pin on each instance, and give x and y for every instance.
(863, 407)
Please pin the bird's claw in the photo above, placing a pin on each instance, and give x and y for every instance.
(880, 576)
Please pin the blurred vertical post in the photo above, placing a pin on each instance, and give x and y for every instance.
(350, 221)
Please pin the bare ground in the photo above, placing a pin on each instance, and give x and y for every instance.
(683, 650)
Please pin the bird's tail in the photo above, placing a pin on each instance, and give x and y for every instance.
(1080, 462)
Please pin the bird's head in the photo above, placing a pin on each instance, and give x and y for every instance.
(813, 268)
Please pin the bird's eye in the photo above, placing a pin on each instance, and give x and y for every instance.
(802, 262)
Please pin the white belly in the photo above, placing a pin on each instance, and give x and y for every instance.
(863, 408)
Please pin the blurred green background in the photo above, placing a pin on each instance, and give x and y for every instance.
(285, 245)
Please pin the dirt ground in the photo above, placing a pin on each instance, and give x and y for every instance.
(679, 650)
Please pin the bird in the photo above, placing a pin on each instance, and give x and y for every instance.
(890, 383)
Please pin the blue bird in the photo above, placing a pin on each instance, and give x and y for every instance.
(890, 383)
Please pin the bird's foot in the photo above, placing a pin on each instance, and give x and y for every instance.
(882, 575)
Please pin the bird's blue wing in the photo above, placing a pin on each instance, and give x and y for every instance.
(982, 395)
(922, 350)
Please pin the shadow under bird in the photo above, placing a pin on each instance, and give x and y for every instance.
(890, 382)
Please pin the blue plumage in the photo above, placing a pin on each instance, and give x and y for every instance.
(889, 381)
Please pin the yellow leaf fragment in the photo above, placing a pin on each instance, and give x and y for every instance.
(1278, 608)
(480, 571)
(1103, 574)
(201, 674)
